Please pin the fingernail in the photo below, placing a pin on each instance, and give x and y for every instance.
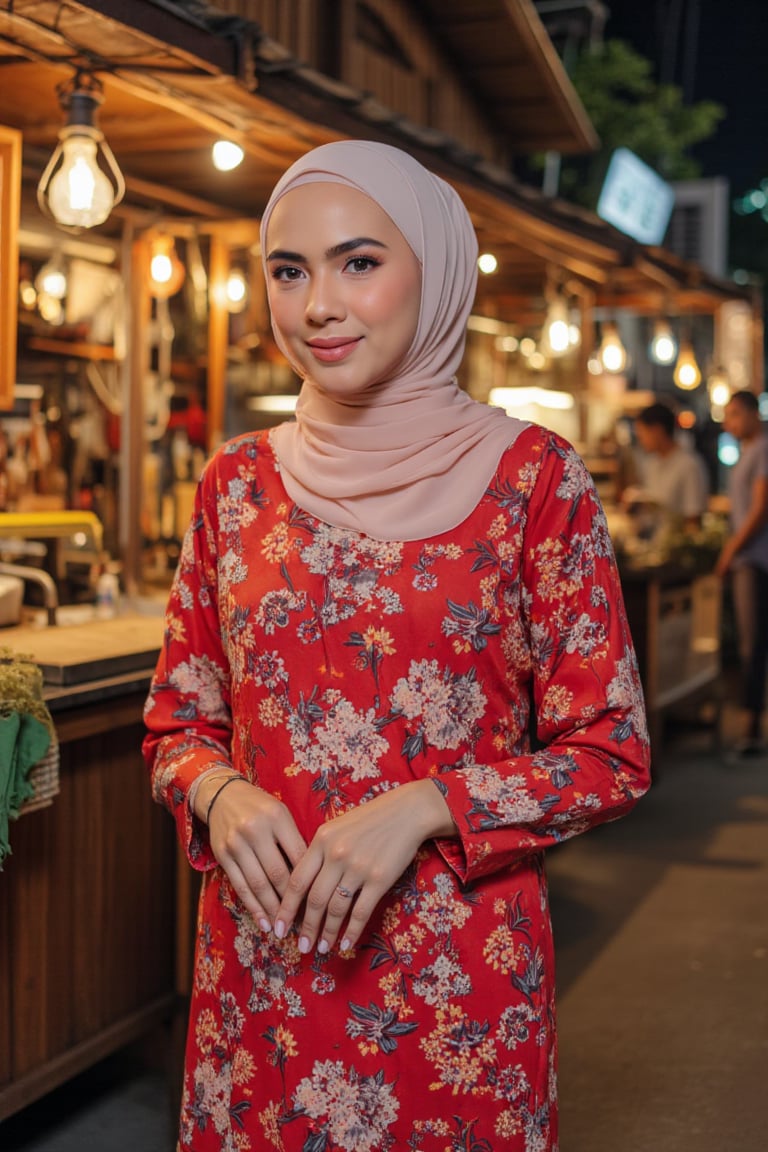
(279, 929)
(304, 944)
(323, 947)
(265, 925)
(345, 945)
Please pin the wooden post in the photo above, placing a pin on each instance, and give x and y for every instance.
(218, 341)
(10, 199)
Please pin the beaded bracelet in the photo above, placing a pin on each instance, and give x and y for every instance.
(217, 793)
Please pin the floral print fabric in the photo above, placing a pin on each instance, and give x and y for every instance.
(328, 667)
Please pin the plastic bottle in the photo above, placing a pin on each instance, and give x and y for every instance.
(107, 595)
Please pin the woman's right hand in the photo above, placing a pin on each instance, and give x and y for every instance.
(255, 840)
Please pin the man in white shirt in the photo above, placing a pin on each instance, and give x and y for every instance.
(672, 477)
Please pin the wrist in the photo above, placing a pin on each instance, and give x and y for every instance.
(207, 789)
(436, 815)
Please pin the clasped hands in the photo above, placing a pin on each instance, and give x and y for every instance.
(334, 881)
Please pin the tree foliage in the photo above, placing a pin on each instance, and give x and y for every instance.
(630, 109)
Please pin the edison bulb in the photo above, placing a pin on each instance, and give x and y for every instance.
(227, 155)
(79, 194)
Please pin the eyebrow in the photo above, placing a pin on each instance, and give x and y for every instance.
(330, 253)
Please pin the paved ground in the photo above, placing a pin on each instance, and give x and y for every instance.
(662, 933)
(661, 926)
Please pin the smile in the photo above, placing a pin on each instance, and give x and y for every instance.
(333, 350)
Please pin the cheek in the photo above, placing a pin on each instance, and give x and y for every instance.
(395, 303)
(283, 311)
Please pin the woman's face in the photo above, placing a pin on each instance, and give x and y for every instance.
(344, 286)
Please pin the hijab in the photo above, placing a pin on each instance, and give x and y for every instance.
(410, 457)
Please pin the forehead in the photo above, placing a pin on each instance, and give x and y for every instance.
(326, 207)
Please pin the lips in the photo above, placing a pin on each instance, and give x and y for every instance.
(333, 349)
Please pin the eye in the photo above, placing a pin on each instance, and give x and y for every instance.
(360, 264)
(286, 272)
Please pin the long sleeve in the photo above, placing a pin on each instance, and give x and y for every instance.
(187, 714)
(591, 760)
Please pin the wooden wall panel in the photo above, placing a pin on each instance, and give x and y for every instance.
(87, 911)
(294, 23)
(431, 93)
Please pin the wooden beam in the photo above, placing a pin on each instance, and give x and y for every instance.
(182, 201)
(193, 42)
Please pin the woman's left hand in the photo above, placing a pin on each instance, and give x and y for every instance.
(357, 857)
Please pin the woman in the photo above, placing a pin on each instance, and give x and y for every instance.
(370, 605)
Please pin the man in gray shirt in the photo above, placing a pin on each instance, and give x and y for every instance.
(745, 557)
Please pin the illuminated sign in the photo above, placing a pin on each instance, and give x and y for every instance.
(634, 199)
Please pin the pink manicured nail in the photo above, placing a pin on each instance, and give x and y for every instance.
(265, 925)
(345, 945)
(304, 944)
(323, 947)
(279, 929)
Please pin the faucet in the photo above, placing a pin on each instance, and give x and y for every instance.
(36, 576)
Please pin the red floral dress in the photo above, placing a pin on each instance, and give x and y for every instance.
(328, 667)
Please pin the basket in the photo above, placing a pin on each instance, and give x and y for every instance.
(44, 778)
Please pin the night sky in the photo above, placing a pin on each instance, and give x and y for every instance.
(729, 64)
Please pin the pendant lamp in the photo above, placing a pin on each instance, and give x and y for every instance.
(82, 181)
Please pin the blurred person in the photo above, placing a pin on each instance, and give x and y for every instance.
(672, 476)
(744, 558)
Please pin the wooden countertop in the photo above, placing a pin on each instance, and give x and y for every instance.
(93, 650)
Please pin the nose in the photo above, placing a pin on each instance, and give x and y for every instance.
(324, 300)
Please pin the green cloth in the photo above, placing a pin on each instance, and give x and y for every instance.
(23, 741)
(26, 731)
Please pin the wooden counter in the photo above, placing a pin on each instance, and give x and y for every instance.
(87, 898)
(91, 650)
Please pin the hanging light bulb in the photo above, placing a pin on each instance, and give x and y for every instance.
(236, 291)
(227, 155)
(663, 346)
(487, 263)
(166, 271)
(82, 181)
(612, 353)
(687, 374)
(556, 327)
(51, 280)
(719, 388)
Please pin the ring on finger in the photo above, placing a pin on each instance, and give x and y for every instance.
(345, 892)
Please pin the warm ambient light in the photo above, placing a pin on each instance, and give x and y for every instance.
(687, 374)
(236, 291)
(227, 155)
(277, 404)
(51, 280)
(81, 182)
(719, 387)
(166, 271)
(487, 263)
(511, 398)
(612, 353)
(663, 347)
(557, 339)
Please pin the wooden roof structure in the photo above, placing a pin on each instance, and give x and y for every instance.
(504, 54)
(174, 82)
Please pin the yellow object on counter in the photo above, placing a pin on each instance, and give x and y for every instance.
(42, 525)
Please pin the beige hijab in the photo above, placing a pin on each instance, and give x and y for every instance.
(410, 457)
